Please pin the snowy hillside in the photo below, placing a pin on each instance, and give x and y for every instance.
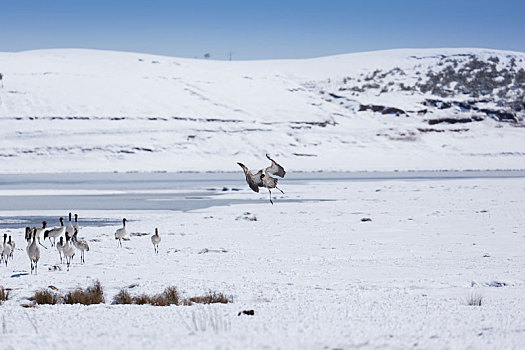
(86, 110)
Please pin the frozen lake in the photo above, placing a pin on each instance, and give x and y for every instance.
(173, 191)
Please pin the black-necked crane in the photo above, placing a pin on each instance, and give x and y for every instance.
(155, 239)
(121, 232)
(69, 227)
(6, 249)
(33, 252)
(80, 244)
(68, 251)
(60, 247)
(38, 231)
(76, 223)
(262, 177)
(55, 232)
(12, 244)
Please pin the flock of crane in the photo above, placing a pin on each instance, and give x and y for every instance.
(66, 247)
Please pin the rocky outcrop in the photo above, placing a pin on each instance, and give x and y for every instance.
(382, 109)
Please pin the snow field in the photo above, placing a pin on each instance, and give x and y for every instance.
(316, 276)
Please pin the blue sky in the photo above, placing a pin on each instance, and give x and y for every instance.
(260, 29)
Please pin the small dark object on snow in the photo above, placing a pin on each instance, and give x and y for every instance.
(246, 312)
(365, 219)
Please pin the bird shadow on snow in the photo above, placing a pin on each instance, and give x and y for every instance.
(20, 274)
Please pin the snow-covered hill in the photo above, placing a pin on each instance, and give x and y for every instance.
(87, 110)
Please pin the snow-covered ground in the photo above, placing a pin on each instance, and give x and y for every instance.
(316, 276)
(86, 110)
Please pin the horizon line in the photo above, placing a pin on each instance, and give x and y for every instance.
(212, 58)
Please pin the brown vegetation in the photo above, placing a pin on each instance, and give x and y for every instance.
(46, 296)
(4, 294)
(122, 297)
(211, 298)
(170, 296)
(92, 295)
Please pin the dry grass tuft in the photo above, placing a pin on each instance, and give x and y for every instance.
(475, 300)
(46, 296)
(171, 295)
(158, 300)
(211, 298)
(93, 294)
(4, 294)
(122, 297)
(142, 299)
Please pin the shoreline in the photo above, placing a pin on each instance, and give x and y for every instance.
(218, 176)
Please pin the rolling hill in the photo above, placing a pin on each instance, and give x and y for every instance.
(66, 110)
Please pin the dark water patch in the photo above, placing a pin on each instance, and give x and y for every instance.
(117, 202)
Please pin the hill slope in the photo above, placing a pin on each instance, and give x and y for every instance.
(88, 110)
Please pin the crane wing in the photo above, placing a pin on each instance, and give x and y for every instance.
(254, 181)
(275, 169)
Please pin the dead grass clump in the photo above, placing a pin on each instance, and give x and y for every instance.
(46, 296)
(158, 300)
(142, 299)
(122, 297)
(171, 295)
(4, 294)
(475, 300)
(92, 295)
(211, 298)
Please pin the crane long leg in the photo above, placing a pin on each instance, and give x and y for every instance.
(270, 196)
(279, 189)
